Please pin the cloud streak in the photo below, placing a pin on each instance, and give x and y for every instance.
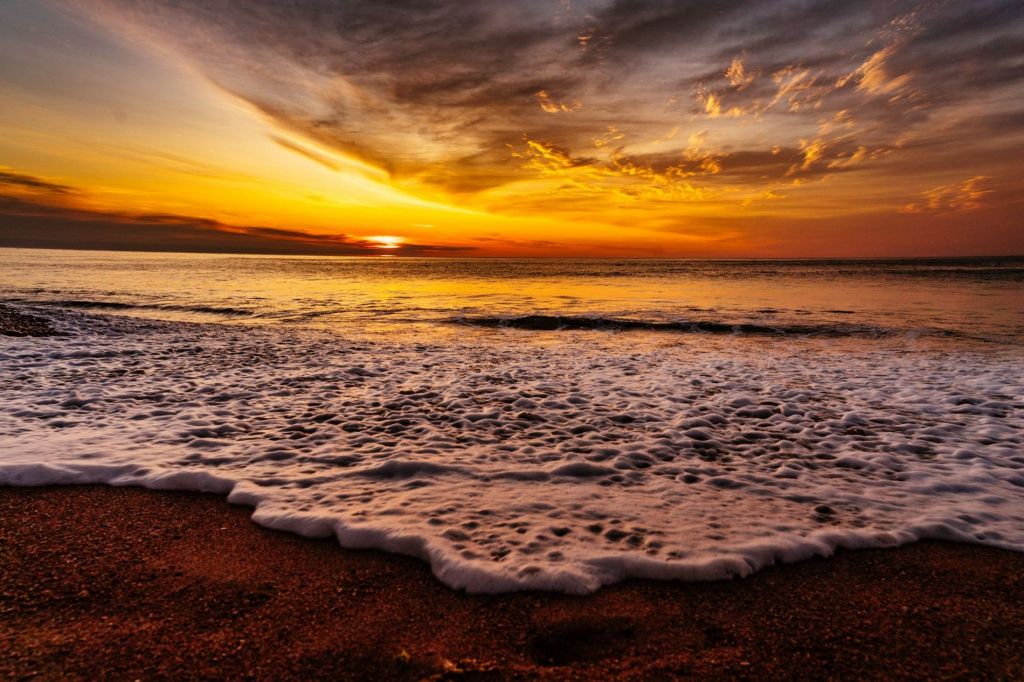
(436, 93)
(35, 222)
(19, 181)
(602, 116)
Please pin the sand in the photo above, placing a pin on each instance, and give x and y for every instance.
(127, 583)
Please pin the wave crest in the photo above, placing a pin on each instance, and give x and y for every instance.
(598, 323)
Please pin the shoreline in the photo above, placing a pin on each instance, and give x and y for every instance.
(128, 582)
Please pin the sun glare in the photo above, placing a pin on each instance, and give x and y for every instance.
(385, 241)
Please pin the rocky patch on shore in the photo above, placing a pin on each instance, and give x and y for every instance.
(14, 323)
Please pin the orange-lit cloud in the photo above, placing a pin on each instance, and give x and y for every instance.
(609, 127)
(965, 195)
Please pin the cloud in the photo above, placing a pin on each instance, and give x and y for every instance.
(712, 105)
(737, 75)
(440, 95)
(303, 150)
(19, 181)
(964, 195)
(32, 224)
(552, 106)
(874, 77)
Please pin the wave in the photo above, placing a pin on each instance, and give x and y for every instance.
(706, 322)
(85, 304)
(598, 323)
(1009, 269)
(513, 466)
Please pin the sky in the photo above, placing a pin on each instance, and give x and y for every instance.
(553, 128)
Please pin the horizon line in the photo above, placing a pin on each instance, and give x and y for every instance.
(393, 256)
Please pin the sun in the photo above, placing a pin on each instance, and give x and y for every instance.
(385, 241)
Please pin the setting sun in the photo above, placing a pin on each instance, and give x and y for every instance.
(385, 241)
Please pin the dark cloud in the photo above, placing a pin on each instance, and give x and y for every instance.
(752, 165)
(28, 224)
(443, 92)
(32, 183)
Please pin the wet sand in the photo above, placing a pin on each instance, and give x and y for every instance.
(129, 583)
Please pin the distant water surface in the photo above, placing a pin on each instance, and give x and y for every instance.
(963, 298)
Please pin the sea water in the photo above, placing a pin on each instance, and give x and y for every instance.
(535, 424)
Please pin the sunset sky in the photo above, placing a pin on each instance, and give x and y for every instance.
(620, 128)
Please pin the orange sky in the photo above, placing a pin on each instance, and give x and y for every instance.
(541, 128)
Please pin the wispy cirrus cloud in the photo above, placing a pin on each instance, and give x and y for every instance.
(588, 117)
(964, 195)
(441, 94)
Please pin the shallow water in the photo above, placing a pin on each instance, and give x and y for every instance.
(587, 443)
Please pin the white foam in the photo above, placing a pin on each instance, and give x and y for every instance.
(565, 465)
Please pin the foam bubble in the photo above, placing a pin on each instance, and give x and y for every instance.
(562, 465)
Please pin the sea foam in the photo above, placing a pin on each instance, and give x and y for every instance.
(513, 464)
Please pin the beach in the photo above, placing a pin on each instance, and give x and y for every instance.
(122, 583)
(509, 470)
(510, 459)
(558, 340)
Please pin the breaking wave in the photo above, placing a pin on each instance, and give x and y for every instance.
(511, 465)
(586, 322)
(86, 304)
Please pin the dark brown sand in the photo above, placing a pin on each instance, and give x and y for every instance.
(14, 323)
(126, 584)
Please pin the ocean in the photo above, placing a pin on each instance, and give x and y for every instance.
(535, 424)
(969, 298)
